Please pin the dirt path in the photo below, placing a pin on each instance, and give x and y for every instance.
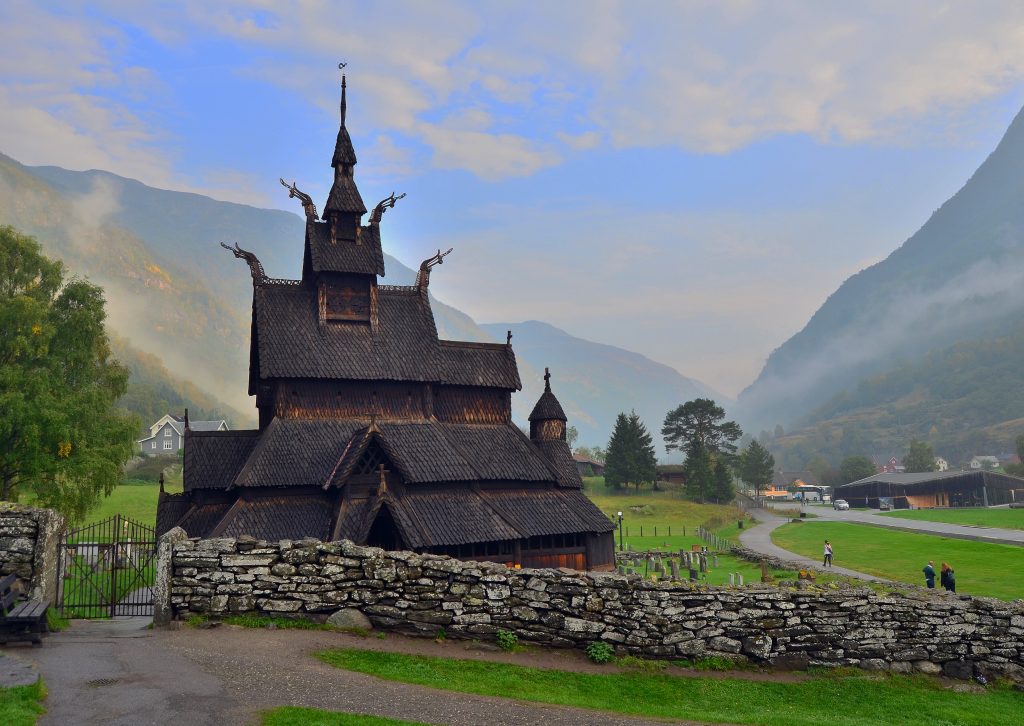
(119, 672)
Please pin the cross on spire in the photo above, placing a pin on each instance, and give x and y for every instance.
(547, 380)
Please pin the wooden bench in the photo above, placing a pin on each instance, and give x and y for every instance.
(20, 620)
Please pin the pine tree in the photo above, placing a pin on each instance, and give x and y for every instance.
(698, 474)
(616, 466)
(724, 490)
(757, 467)
(630, 456)
(645, 461)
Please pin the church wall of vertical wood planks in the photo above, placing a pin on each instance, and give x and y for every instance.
(373, 429)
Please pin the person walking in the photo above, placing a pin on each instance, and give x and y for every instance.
(827, 562)
(947, 578)
(929, 575)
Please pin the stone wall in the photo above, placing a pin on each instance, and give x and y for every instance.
(959, 636)
(29, 547)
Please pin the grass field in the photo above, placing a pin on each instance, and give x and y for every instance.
(656, 514)
(981, 568)
(838, 699)
(295, 716)
(979, 517)
(135, 499)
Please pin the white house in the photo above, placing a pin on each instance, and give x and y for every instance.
(984, 462)
(167, 434)
(941, 464)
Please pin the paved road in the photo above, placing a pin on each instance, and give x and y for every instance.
(957, 531)
(117, 672)
(759, 539)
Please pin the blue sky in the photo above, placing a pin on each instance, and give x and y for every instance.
(689, 181)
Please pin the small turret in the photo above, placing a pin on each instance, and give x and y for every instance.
(547, 420)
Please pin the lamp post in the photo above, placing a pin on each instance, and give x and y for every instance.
(621, 548)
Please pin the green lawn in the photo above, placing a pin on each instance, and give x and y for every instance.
(981, 568)
(1002, 518)
(22, 705)
(135, 499)
(657, 514)
(295, 716)
(837, 699)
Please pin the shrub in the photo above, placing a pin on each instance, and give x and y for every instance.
(600, 652)
(643, 664)
(507, 640)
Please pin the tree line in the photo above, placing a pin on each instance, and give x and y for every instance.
(699, 430)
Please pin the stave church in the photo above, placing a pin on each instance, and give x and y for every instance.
(373, 429)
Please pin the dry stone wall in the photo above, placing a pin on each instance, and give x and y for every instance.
(415, 593)
(29, 544)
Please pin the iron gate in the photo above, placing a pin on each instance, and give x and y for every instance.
(107, 569)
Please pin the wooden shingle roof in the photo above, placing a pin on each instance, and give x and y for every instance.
(448, 518)
(289, 342)
(535, 512)
(280, 517)
(202, 518)
(365, 258)
(297, 453)
(213, 459)
(479, 364)
(560, 458)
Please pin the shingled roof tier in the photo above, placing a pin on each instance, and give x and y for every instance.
(547, 408)
(321, 452)
(279, 517)
(291, 343)
(366, 257)
(213, 459)
(344, 196)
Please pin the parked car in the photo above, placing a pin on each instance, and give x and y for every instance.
(841, 504)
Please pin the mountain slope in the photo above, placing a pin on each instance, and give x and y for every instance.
(897, 331)
(594, 382)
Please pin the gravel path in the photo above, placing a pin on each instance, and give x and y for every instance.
(943, 529)
(121, 673)
(759, 539)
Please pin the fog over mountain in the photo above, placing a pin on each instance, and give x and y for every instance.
(952, 289)
(175, 294)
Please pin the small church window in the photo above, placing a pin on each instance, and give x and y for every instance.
(345, 301)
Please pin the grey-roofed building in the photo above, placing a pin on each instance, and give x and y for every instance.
(167, 435)
(373, 429)
(933, 489)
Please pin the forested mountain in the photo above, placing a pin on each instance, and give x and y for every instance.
(926, 343)
(184, 303)
(595, 382)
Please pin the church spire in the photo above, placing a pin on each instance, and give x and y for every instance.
(343, 99)
(344, 197)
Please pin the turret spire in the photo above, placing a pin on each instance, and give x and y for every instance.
(344, 197)
(342, 65)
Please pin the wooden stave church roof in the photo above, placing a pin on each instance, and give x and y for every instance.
(402, 345)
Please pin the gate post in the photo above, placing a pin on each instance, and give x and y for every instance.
(47, 556)
(162, 611)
